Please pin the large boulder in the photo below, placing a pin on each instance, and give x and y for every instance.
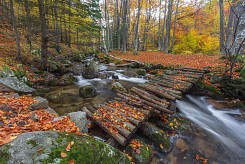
(12, 84)
(91, 70)
(87, 91)
(40, 103)
(51, 147)
(66, 79)
(79, 118)
(62, 98)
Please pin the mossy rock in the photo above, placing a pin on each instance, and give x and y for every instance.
(46, 147)
(142, 155)
(141, 72)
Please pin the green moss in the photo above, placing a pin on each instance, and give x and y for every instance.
(141, 72)
(4, 154)
(85, 150)
(209, 88)
(32, 142)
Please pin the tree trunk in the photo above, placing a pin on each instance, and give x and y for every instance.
(137, 28)
(229, 28)
(124, 39)
(147, 18)
(175, 22)
(15, 30)
(222, 38)
(44, 35)
(164, 24)
(28, 23)
(118, 25)
(168, 26)
(159, 26)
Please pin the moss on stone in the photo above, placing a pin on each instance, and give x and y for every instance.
(32, 142)
(85, 150)
(4, 155)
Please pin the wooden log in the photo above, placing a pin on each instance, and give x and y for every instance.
(162, 101)
(173, 86)
(159, 93)
(120, 139)
(169, 90)
(130, 126)
(142, 95)
(150, 104)
(170, 79)
(159, 137)
(126, 133)
(190, 70)
(111, 141)
(145, 112)
(134, 121)
(120, 109)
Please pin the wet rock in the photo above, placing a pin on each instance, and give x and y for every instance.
(50, 79)
(87, 91)
(130, 74)
(114, 76)
(50, 110)
(41, 103)
(142, 155)
(46, 147)
(62, 98)
(181, 144)
(91, 70)
(79, 118)
(66, 79)
(118, 86)
(141, 72)
(12, 84)
(104, 75)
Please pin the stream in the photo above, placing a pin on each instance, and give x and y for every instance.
(220, 136)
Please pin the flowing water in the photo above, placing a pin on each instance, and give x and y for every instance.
(222, 128)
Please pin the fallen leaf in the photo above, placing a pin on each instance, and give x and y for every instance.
(63, 155)
(71, 161)
(161, 146)
(68, 148)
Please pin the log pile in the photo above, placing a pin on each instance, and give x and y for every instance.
(121, 117)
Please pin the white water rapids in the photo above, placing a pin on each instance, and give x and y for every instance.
(227, 130)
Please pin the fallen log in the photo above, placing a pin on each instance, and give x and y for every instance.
(170, 79)
(130, 126)
(132, 112)
(124, 132)
(157, 92)
(134, 121)
(190, 70)
(149, 103)
(120, 139)
(111, 141)
(157, 136)
(169, 90)
(162, 101)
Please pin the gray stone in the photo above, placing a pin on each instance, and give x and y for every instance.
(66, 79)
(46, 146)
(12, 84)
(50, 110)
(40, 104)
(87, 91)
(115, 76)
(90, 71)
(181, 144)
(79, 118)
(62, 98)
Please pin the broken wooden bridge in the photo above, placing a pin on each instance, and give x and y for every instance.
(121, 117)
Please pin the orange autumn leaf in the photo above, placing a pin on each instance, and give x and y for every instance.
(71, 161)
(68, 148)
(63, 155)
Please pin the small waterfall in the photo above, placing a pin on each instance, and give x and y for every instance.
(228, 131)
